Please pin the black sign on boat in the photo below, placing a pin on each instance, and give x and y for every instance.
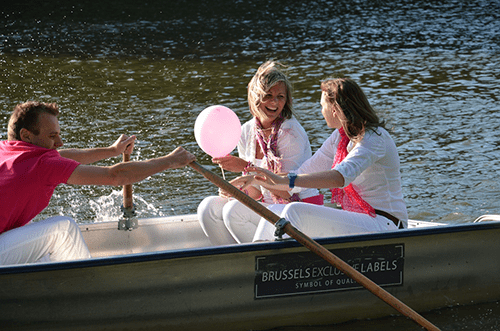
(306, 273)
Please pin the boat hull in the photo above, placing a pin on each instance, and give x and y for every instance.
(217, 288)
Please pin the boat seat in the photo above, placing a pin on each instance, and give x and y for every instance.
(487, 218)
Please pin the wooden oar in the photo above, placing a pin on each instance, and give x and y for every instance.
(316, 248)
(128, 202)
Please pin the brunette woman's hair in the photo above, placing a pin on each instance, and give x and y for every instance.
(347, 97)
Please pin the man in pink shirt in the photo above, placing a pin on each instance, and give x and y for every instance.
(30, 169)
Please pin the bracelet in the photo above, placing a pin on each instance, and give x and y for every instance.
(249, 164)
(294, 198)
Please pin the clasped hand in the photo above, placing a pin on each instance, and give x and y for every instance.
(248, 183)
(261, 176)
(124, 144)
(230, 163)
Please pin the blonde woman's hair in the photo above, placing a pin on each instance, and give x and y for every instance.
(264, 79)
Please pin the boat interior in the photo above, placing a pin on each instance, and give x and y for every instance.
(146, 235)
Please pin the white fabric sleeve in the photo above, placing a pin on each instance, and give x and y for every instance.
(293, 145)
(322, 160)
(245, 143)
(369, 150)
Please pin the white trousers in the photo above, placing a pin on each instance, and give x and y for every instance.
(57, 237)
(322, 221)
(226, 221)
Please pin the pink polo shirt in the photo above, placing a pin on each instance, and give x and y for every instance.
(28, 176)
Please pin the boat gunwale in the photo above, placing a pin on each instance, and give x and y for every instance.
(242, 248)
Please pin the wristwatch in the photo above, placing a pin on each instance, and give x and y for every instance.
(291, 179)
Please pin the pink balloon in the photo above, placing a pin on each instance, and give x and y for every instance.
(217, 130)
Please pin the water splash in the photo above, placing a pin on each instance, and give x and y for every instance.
(107, 208)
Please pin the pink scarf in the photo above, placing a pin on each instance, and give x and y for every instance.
(347, 197)
(269, 147)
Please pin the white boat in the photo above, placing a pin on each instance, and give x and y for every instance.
(164, 274)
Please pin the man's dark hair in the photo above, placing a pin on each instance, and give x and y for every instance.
(26, 115)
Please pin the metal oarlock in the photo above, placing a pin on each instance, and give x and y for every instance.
(280, 228)
(128, 221)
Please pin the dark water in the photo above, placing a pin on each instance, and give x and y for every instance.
(431, 68)
(479, 317)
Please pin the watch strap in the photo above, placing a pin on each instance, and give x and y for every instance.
(291, 180)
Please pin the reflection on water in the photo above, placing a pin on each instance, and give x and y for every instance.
(430, 67)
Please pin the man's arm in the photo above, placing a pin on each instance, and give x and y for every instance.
(124, 173)
(91, 155)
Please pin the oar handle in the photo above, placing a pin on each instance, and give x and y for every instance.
(316, 248)
(128, 202)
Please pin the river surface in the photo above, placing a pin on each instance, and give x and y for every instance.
(430, 68)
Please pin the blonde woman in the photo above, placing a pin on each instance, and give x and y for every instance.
(273, 139)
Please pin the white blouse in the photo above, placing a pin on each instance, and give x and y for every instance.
(372, 166)
(293, 148)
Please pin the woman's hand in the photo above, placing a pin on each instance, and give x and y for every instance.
(224, 194)
(263, 177)
(251, 191)
(230, 163)
(244, 182)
